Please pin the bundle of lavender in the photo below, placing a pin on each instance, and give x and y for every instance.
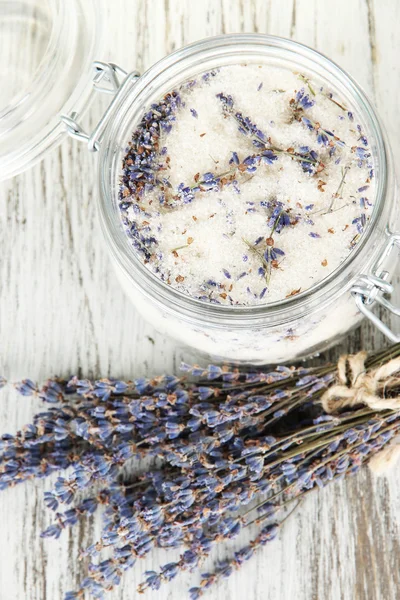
(236, 448)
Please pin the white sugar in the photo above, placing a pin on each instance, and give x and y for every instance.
(213, 244)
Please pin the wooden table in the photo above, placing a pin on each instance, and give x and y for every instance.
(62, 311)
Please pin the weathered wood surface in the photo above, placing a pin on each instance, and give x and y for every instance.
(62, 311)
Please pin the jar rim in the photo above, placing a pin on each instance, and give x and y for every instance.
(143, 277)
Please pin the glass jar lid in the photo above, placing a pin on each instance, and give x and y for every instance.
(48, 76)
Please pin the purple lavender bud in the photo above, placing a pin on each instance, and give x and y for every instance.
(64, 489)
(224, 569)
(268, 533)
(190, 560)
(197, 372)
(279, 414)
(153, 580)
(256, 463)
(83, 387)
(385, 437)
(214, 372)
(226, 100)
(170, 571)
(305, 380)
(307, 123)
(235, 159)
(89, 505)
(205, 392)
(375, 425)
(322, 138)
(52, 531)
(268, 156)
(50, 500)
(51, 392)
(244, 554)
(61, 431)
(267, 509)
(342, 464)
(304, 100)
(288, 468)
(333, 446)
(120, 387)
(361, 153)
(323, 419)
(27, 387)
(351, 436)
(320, 385)
(212, 418)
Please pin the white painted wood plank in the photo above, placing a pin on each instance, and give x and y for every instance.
(61, 310)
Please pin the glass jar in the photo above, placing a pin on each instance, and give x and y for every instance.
(277, 332)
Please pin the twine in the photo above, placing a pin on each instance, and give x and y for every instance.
(355, 386)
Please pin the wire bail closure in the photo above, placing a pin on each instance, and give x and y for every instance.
(108, 78)
(373, 288)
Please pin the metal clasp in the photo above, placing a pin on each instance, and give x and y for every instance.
(109, 79)
(373, 288)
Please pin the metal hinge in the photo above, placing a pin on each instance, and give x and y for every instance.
(109, 79)
(373, 288)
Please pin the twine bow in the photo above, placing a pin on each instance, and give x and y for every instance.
(357, 386)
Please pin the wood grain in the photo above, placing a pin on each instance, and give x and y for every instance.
(62, 311)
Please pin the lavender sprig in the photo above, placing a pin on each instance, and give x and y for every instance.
(213, 182)
(225, 568)
(325, 137)
(339, 191)
(309, 475)
(278, 220)
(308, 159)
(230, 440)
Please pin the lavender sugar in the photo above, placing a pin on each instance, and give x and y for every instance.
(247, 185)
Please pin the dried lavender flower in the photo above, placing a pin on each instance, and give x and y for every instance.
(236, 447)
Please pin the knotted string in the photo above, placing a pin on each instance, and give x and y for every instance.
(355, 385)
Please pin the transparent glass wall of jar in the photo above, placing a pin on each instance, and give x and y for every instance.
(255, 344)
(280, 331)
